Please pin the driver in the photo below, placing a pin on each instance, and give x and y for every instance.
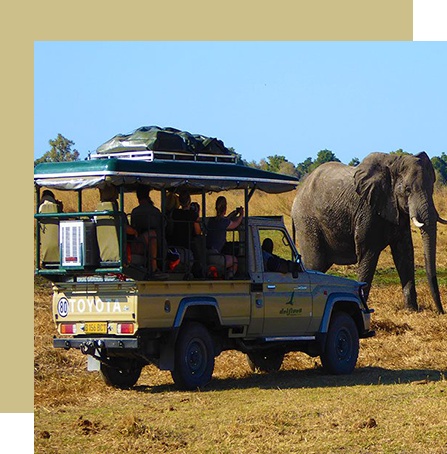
(273, 263)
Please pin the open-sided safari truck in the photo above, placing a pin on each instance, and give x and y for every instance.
(109, 303)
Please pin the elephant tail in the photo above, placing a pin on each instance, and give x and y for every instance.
(293, 232)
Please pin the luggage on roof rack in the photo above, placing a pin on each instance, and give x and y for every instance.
(150, 143)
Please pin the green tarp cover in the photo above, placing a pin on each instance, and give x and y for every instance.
(159, 175)
(163, 139)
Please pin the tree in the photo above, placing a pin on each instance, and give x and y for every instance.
(304, 167)
(354, 162)
(60, 151)
(274, 162)
(325, 156)
(440, 166)
(400, 152)
(322, 157)
(287, 168)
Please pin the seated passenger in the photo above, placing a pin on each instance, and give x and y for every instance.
(172, 204)
(185, 223)
(48, 199)
(273, 263)
(107, 227)
(109, 247)
(147, 220)
(110, 194)
(217, 233)
(49, 228)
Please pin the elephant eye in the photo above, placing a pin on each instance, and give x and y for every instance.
(407, 189)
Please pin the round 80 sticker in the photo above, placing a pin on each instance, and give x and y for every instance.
(62, 307)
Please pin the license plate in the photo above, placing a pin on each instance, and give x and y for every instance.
(96, 328)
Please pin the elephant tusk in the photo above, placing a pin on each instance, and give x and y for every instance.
(442, 221)
(417, 223)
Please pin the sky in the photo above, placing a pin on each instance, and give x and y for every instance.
(261, 98)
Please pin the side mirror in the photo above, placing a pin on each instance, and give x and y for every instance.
(296, 267)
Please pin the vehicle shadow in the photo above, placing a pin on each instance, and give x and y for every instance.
(313, 378)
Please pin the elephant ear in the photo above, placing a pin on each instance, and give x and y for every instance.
(426, 163)
(374, 183)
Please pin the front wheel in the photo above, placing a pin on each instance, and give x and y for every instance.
(194, 357)
(342, 345)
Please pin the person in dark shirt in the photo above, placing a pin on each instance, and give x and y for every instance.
(185, 223)
(276, 264)
(147, 221)
(217, 232)
(146, 216)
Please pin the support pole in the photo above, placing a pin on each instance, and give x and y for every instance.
(247, 199)
(37, 229)
(163, 230)
(122, 235)
(80, 200)
(204, 230)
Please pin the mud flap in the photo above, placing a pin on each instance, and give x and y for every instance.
(167, 351)
(92, 364)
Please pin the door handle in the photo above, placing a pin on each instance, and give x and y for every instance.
(271, 287)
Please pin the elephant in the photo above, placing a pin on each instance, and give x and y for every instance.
(345, 215)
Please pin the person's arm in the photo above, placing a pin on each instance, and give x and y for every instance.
(197, 229)
(131, 231)
(236, 222)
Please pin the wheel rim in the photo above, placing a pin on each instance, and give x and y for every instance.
(343, 345)
(196, 357)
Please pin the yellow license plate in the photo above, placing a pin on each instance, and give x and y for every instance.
(96, 328)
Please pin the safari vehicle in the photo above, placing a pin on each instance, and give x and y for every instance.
(108, 303)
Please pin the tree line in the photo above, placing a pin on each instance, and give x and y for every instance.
(62, 150)
(280, 164)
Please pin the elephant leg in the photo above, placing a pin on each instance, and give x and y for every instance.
(403, 256)
(312, 251)
(366, 268)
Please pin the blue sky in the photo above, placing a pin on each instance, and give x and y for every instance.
(262, 98)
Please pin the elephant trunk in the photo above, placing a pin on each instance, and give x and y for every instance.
(429, 244)
(424, 215)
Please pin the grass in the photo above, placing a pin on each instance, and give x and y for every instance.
(394, 402)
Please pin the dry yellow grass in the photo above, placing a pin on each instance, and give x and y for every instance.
(394, 402)
(399, 383)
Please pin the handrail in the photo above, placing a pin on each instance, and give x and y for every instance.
(79, 213)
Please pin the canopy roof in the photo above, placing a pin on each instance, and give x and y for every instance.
(159, 175)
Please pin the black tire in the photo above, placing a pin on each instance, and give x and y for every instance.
(265, 361)
(342, 345)
(194, 357)
(120, 377)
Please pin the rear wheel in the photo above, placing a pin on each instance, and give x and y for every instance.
(123, 376)
(265, 361)
(342, 345)
(194, 357)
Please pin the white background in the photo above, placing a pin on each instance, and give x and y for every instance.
(17, 432)
(429, 20)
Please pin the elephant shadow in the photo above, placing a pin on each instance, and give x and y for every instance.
(312, 378)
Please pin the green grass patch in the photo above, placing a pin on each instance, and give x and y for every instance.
(389, 276)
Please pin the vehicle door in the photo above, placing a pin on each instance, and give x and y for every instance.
(287, 299)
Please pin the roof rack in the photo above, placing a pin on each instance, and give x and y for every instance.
(150, 156)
